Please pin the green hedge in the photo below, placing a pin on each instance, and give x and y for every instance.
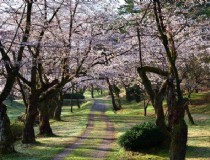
(74, 96)
(142, 138)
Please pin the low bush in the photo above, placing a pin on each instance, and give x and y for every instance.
(133, 93)
(142, 137)
(74, 96)
(17, 129)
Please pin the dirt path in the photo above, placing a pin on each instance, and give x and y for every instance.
(106, 134)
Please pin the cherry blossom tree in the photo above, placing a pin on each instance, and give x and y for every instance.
(14, 31)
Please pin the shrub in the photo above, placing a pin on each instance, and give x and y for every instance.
(74, 96)
(142, 137)
(17, 129)
(133, 93)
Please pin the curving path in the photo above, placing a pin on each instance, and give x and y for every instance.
(99, 128)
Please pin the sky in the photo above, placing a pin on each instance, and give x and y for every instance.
(121, 1)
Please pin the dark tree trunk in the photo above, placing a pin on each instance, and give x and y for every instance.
(177, 124)
(189, 114)
(78, 103)
(57, 113)
(156, 98)
(145, 107)
(71, 103)
(119, 101)
(92, 91)
(178, 142)
(32, 113)
(115, 107)
(58, 109)
(52, 107)
(6, 137)
(160, 119)
(44, 124)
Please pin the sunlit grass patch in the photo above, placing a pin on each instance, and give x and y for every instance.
(89, 144)
(131, 114)
(97, 94)
(14, 109)
(128, 155)
(198, 139)
(200, 103)
(66, 131)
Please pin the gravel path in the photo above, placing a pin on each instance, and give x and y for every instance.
(108, 135)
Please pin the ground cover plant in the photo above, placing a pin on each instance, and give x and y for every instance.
(66, 131)
(133, 114)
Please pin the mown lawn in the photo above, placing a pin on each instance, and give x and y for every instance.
(133, 113)
(74, 124)
(66, 131)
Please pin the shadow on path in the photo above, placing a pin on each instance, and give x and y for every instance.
(97, 114)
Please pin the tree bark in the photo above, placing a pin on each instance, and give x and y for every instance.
(44, 124)
(117, 93)
(32, 113)
(160, 118)
(57, 113)
(189, 114)
(115, 107)
(178, 142)
(58, 109)
(78, 103)
(52, 107)
(6, 137)
(177, 124)
(145, 107)
(92, 91)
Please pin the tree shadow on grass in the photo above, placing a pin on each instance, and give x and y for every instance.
(198, 152)
(17, 156)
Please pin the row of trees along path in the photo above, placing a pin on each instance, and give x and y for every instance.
(99, 130)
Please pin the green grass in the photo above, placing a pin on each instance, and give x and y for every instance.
(132, 114)
(87, 94)
(14, 109)
(67, 131)
(88, 149)
(200, 103)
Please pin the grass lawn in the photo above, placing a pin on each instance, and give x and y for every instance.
(94, 139)
(66, 131)
(74, 124)
(97, 94)
(198, 135)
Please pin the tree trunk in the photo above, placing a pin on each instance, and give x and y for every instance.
(57, 113)
(189, 115)
(118, 101)
(177, 124)
(52, 107)
(6, 137)
(145, 107)
(71, 103)
(112, 95)
(58, 109)
(160, 118)
(178, 141)
(44, 124)
(92, 91)
(78, 103)
(28, 130)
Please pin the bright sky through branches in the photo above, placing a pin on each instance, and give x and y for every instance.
(121, 1)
